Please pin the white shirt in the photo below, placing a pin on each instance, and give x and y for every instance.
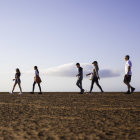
(36, 73)
(128, 64)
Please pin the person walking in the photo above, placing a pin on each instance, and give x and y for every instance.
(95, 77)
(37, 80)
(80, 78)
(128, 75)
(17, 81)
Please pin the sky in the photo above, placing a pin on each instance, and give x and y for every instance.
(56, 34)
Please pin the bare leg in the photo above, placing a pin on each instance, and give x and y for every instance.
(128, 85)
(20, 87)
(14, 87)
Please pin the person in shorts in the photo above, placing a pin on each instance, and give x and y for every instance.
(17, 81)
(128, 75)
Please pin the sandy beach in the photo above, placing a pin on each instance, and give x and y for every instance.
(70, 116)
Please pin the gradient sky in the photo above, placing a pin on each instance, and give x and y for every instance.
(49, 33)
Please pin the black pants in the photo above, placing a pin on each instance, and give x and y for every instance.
(79, 84)
(38, 86)
(95, 80)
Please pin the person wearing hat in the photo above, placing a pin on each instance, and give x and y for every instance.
(95, 77)
(80, 77)
(128, 74)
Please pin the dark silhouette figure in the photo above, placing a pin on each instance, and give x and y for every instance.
(80, 78)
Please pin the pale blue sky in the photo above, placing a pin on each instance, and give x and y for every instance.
(50, 33)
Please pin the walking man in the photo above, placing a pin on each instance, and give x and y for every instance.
(80, 78)
(128, 75)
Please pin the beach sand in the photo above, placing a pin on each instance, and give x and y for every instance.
(70, 116)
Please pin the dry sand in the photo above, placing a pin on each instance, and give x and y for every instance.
(70, 116)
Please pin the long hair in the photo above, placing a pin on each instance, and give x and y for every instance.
(97, 66)
(18, 71)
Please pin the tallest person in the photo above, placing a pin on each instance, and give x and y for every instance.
(128, 75)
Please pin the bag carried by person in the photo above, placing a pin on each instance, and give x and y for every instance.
(91, 76)
(37, 79)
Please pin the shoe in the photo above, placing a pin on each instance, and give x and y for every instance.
(80, 93)
(31, 92)
(20, 93)
(11, 93)
(132, 90)
(83, 91)
(102, 92)
(128, 92)
(40, 93)
(89, 92)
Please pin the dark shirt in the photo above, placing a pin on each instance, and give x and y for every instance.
(17, 76)
(80, 73)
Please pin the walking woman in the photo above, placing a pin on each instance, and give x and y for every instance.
(17, 81)
(95, 77)
(37, 80)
